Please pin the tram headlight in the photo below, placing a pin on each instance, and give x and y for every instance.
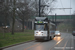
(39, 32)
(45, 22)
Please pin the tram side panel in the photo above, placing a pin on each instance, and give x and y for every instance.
(52, 30)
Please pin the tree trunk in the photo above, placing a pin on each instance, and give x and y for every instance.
(23, 24)
(13, 23)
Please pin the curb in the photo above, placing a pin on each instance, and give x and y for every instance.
(15, 44)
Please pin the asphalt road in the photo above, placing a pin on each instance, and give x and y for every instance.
(64, 42)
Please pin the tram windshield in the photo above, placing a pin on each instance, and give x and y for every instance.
(41, 27)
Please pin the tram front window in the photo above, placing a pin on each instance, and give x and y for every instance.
(41, 27)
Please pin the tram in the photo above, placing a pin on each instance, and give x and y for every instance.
(44, 29)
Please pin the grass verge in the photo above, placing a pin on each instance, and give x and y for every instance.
(18, 37)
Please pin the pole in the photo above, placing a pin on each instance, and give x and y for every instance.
(70, 10)
(55, 22)
(55, 18)
(39, 8)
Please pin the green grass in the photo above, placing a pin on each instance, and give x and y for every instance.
(18, 37)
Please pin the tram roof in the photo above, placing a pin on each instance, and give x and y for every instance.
(52, 23)
(41, 18)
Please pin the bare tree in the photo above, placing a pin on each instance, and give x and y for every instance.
(23, 12)
(4, 12)
(46, 6)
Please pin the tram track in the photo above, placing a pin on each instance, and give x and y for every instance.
(35, 45)
(56, 44)
(65, 44)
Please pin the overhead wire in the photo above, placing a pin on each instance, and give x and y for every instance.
(62, 6)
(50, 8)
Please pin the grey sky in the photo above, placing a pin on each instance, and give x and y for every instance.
(65, 4)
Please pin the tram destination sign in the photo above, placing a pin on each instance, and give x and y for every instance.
(40, 22)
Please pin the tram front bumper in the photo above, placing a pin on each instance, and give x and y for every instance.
(40, 37)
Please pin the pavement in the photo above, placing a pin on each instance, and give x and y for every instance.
(64, 42)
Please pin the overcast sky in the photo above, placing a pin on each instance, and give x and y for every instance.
(64, 4)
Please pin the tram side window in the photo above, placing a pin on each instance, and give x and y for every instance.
(45, 27)
(51, 27)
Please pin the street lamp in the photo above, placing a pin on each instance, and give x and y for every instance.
(39, 8)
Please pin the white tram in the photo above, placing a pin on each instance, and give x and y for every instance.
(44, 29)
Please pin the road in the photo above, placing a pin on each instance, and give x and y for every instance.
(64, 42)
